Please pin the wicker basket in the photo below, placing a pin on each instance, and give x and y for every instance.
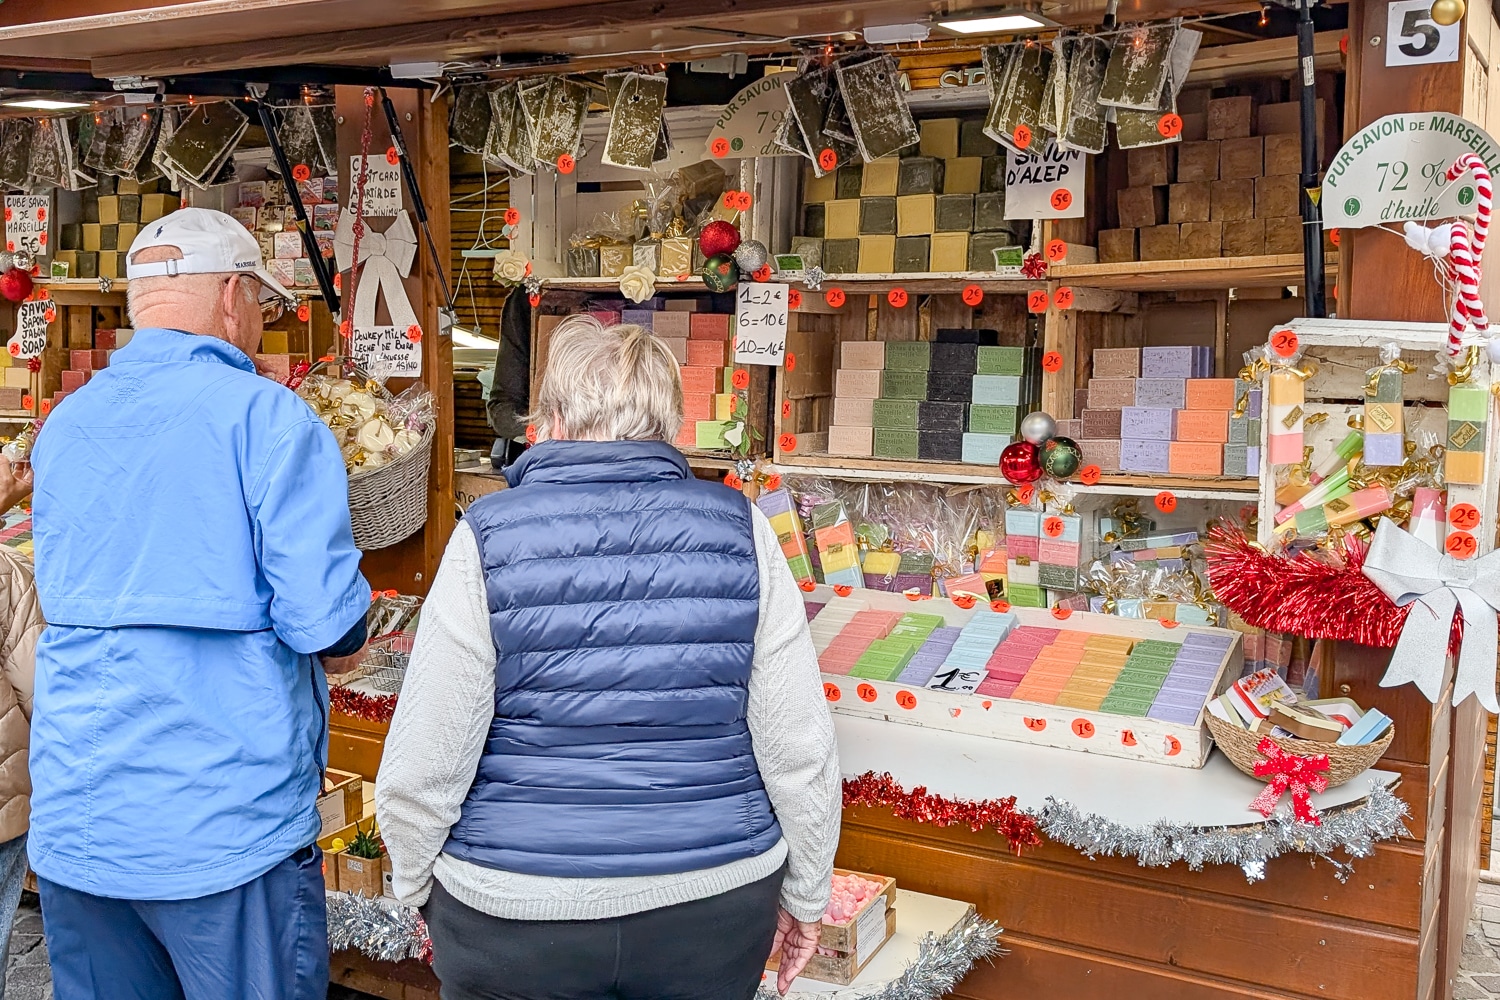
(1344, 762)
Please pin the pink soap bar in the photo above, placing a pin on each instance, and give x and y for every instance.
(104, 340)
(72, 380)
(1285, 449)
(708, 326)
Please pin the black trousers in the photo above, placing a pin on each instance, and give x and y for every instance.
(708, 949)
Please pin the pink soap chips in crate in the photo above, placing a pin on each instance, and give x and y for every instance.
(850, 894)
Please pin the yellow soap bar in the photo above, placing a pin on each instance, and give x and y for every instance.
(961, 174)
(723, 406)
(880, 177)
(841, 220)
(916, 214)
(1284, 389)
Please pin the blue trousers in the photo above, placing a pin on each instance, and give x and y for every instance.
(12, 875)
(264, 940)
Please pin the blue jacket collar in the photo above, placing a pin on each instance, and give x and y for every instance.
(155, 344)
(569, 463)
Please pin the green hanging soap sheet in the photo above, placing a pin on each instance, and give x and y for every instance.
(1083, 126)
(469, 123)
(635, 126)
(877, 109)
(1139, 66)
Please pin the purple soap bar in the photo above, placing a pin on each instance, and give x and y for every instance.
(1385, 449)
(812, 610)
(918, 673)
(1203, 361)
(1167, 362)
(1145, 422)
(1170, 393)
(1171, 713)
(1144, 456)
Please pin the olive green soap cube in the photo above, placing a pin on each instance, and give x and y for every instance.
(912, 254)
(891, 443)
(848, 181)
(920, 175)
(841, 256)
(987, 418)
(982, 247)
(810, 249)
(916, 214)
(953, 213)
(1468, 402)
(992, 174)
(877, 216)
(812, 220)
(903, 385)
(897, 414)
(972, 141)
(908, 356)
(1388, 389)
(1465, 435)
(989, 212)
(1001, 361)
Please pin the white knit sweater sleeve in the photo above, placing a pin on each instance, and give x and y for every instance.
(792, 730)
(442, 718)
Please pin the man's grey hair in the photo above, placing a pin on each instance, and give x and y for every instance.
(615, 383)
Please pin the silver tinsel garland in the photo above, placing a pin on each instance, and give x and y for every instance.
(388, 932)
(940, 963)
(1354, 830)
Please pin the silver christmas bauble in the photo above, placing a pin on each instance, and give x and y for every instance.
(1038, 428)
(751, 255)
(22, 259)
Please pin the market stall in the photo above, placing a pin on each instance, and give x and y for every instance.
(1016, 336)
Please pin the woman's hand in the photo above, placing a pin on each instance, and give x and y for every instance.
(15, 483)
(796, 940)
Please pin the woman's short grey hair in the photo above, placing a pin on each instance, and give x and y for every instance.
(615, 383)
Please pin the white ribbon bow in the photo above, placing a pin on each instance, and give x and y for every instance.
(1411, 572)
(387, 258)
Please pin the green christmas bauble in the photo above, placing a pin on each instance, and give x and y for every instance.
(720, 273)
(1061, 457)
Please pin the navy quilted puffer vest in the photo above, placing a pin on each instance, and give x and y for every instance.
(623, 597)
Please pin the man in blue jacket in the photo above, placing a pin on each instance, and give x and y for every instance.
(196, 565)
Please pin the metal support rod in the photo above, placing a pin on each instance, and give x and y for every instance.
(309, 241)
(1312, 215)
(398, 141)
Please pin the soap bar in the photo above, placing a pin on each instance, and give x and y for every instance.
(940, 138)
(984, 449)
(899, 444)
(1167, 362)
(1144, 456)
(940, 446)
(841, 256)
(1117, 362)
(841, 218)
(877, 216)
(856, 442)
(949, 253)
(903, 385)
(1111, 393)
(1161, 392)
(982, 247)
(1002, 390)
(877, 254)
(908, 355)
(954, 357)
(849, 411)
(862, 354)
(953, 213)
(1001, 360)
(880, 178)
(1211, 393)
(951, 387)
(989, 212)
(1193, 458)
(916, 214)
(857, 383)
(913, 254)
(898, 414)
(992, 419)
(1102, 423)
(1211, 426)
(1149, 423)
(920, 175)
(961, 175)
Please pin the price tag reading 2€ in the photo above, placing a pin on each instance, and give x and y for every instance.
(1461, 545)
(1464, 517)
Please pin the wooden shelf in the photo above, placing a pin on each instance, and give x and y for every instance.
(698, 458)
(1269, 271)
(613, 284)
(1122, 484)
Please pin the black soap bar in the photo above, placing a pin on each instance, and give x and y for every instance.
(973, 142)
(848, 180)
(71, 236)
(920, 175)
(964, 335)
(955, 213)
(877, 217)
(950, 387)
(933, 415)
(940, 446)
(949, 357)
(989, 212)
(913, 253)
(992, 174)
(812, 220)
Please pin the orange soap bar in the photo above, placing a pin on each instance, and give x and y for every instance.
(1206, 426)
(1210, 393)
(699, 379)
(1193, 458)
(711, 326)
(697, 406)
(707, 353)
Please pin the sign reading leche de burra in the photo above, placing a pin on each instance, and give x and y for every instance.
(1395, 170)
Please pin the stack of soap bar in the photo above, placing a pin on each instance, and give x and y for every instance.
(1023, 539)
(1013, 658)
(1284, 402)
(887, 658)
(830, 621)
(976, 644)
(856, 386)
(930, 657)
(1102, 660)
(1468, 413)
(1242, 453)
(855, 638)
(1385, 433)
(1190, 681)
(700, 342)
(1052, 668)
(1136, 686)
(838, 552)
(1059, 555)
(1156, 409)
(781, 512)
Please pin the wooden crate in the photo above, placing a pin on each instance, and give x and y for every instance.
(342, 801)
(855, 941)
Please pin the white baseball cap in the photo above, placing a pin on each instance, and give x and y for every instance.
(210, 242)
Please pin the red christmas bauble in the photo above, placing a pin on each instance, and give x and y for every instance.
(1019, 464)
(718, 237)
(15, 284)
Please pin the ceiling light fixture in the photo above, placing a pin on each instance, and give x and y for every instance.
(896, 34)
(999, 23)
(45, 104)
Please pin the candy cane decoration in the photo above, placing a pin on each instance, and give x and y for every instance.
(1464, 255)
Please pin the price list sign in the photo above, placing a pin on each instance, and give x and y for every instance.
(760, 321)
(26, 224)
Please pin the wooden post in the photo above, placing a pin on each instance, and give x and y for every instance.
(409, 565)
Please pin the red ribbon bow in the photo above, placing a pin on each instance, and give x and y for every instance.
(1289, 772)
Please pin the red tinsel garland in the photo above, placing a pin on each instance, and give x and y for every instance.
(362, 706)
(1305, 594)
(1019, 828)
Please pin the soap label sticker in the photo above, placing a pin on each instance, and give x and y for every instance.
(386, 351)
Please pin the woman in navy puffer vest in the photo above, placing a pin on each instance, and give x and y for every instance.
(612, 772)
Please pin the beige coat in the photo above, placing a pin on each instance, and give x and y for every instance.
(21, 626)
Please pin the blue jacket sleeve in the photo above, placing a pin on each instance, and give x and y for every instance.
(305, 546)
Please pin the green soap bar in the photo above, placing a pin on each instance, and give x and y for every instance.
(849, 180)
(982, 247)
(954, 214)
(973, 142)
(903, 384)
(986, 418)
(812, 220)
(711, 433)
(992, 174)
(897, 414)
(877, 216)
(1158, 646)
(877, 668)
(809, 248)
(1388, 388)
(1057, 577)
(989, 212)
(801, 567)
(1465, 435)
(890, 443)
(928, 622)
(920, 175)
(1133, 692)
(913, 254)
(841, 256)
(1468, 402)
(1123, 708)
(1002, 361)
(908, 356)
(1026, 595)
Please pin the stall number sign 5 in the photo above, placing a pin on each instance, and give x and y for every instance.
(760, 318)
(1413, 38)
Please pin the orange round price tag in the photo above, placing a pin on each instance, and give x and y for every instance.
(999, 607)
(720, 148)
(1035, 725)
(1127, 737)
(46, 407)
(304, 312)
(793, 299)
(1061, 613)
(867, 692)
(762, 273)
(906, 700)
(1025, 492)
(27, 402)
(786, 408)
(1022, 136)
(732, 481)
(1170, 125)
(1052, 527)
(731, 200)
(828, 159)
(50, 315)
(1166, 622)
(1461, 545)
(1333, 237)
(897, 297)
(790, 363)
(392, 157)
(743, 201)
(1082, 728)
(535, 299)
(807, 586)
(1172, 746)
(1037, 299)
(1061, 199)
(1057, 251)
(1166, 501)
(831, 691)
(973, 295)
(740, 379)
(1089, 475)
(1284, 343)
(301, 172)
(565, 163)
(965, 601)
(842, 589)
(1063, 299)
(1464, 517)
(834, 297)
(787, 442)
(512, 216)
(1052, 362)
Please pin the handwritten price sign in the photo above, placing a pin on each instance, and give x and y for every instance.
(26, 224)
(760, 323)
